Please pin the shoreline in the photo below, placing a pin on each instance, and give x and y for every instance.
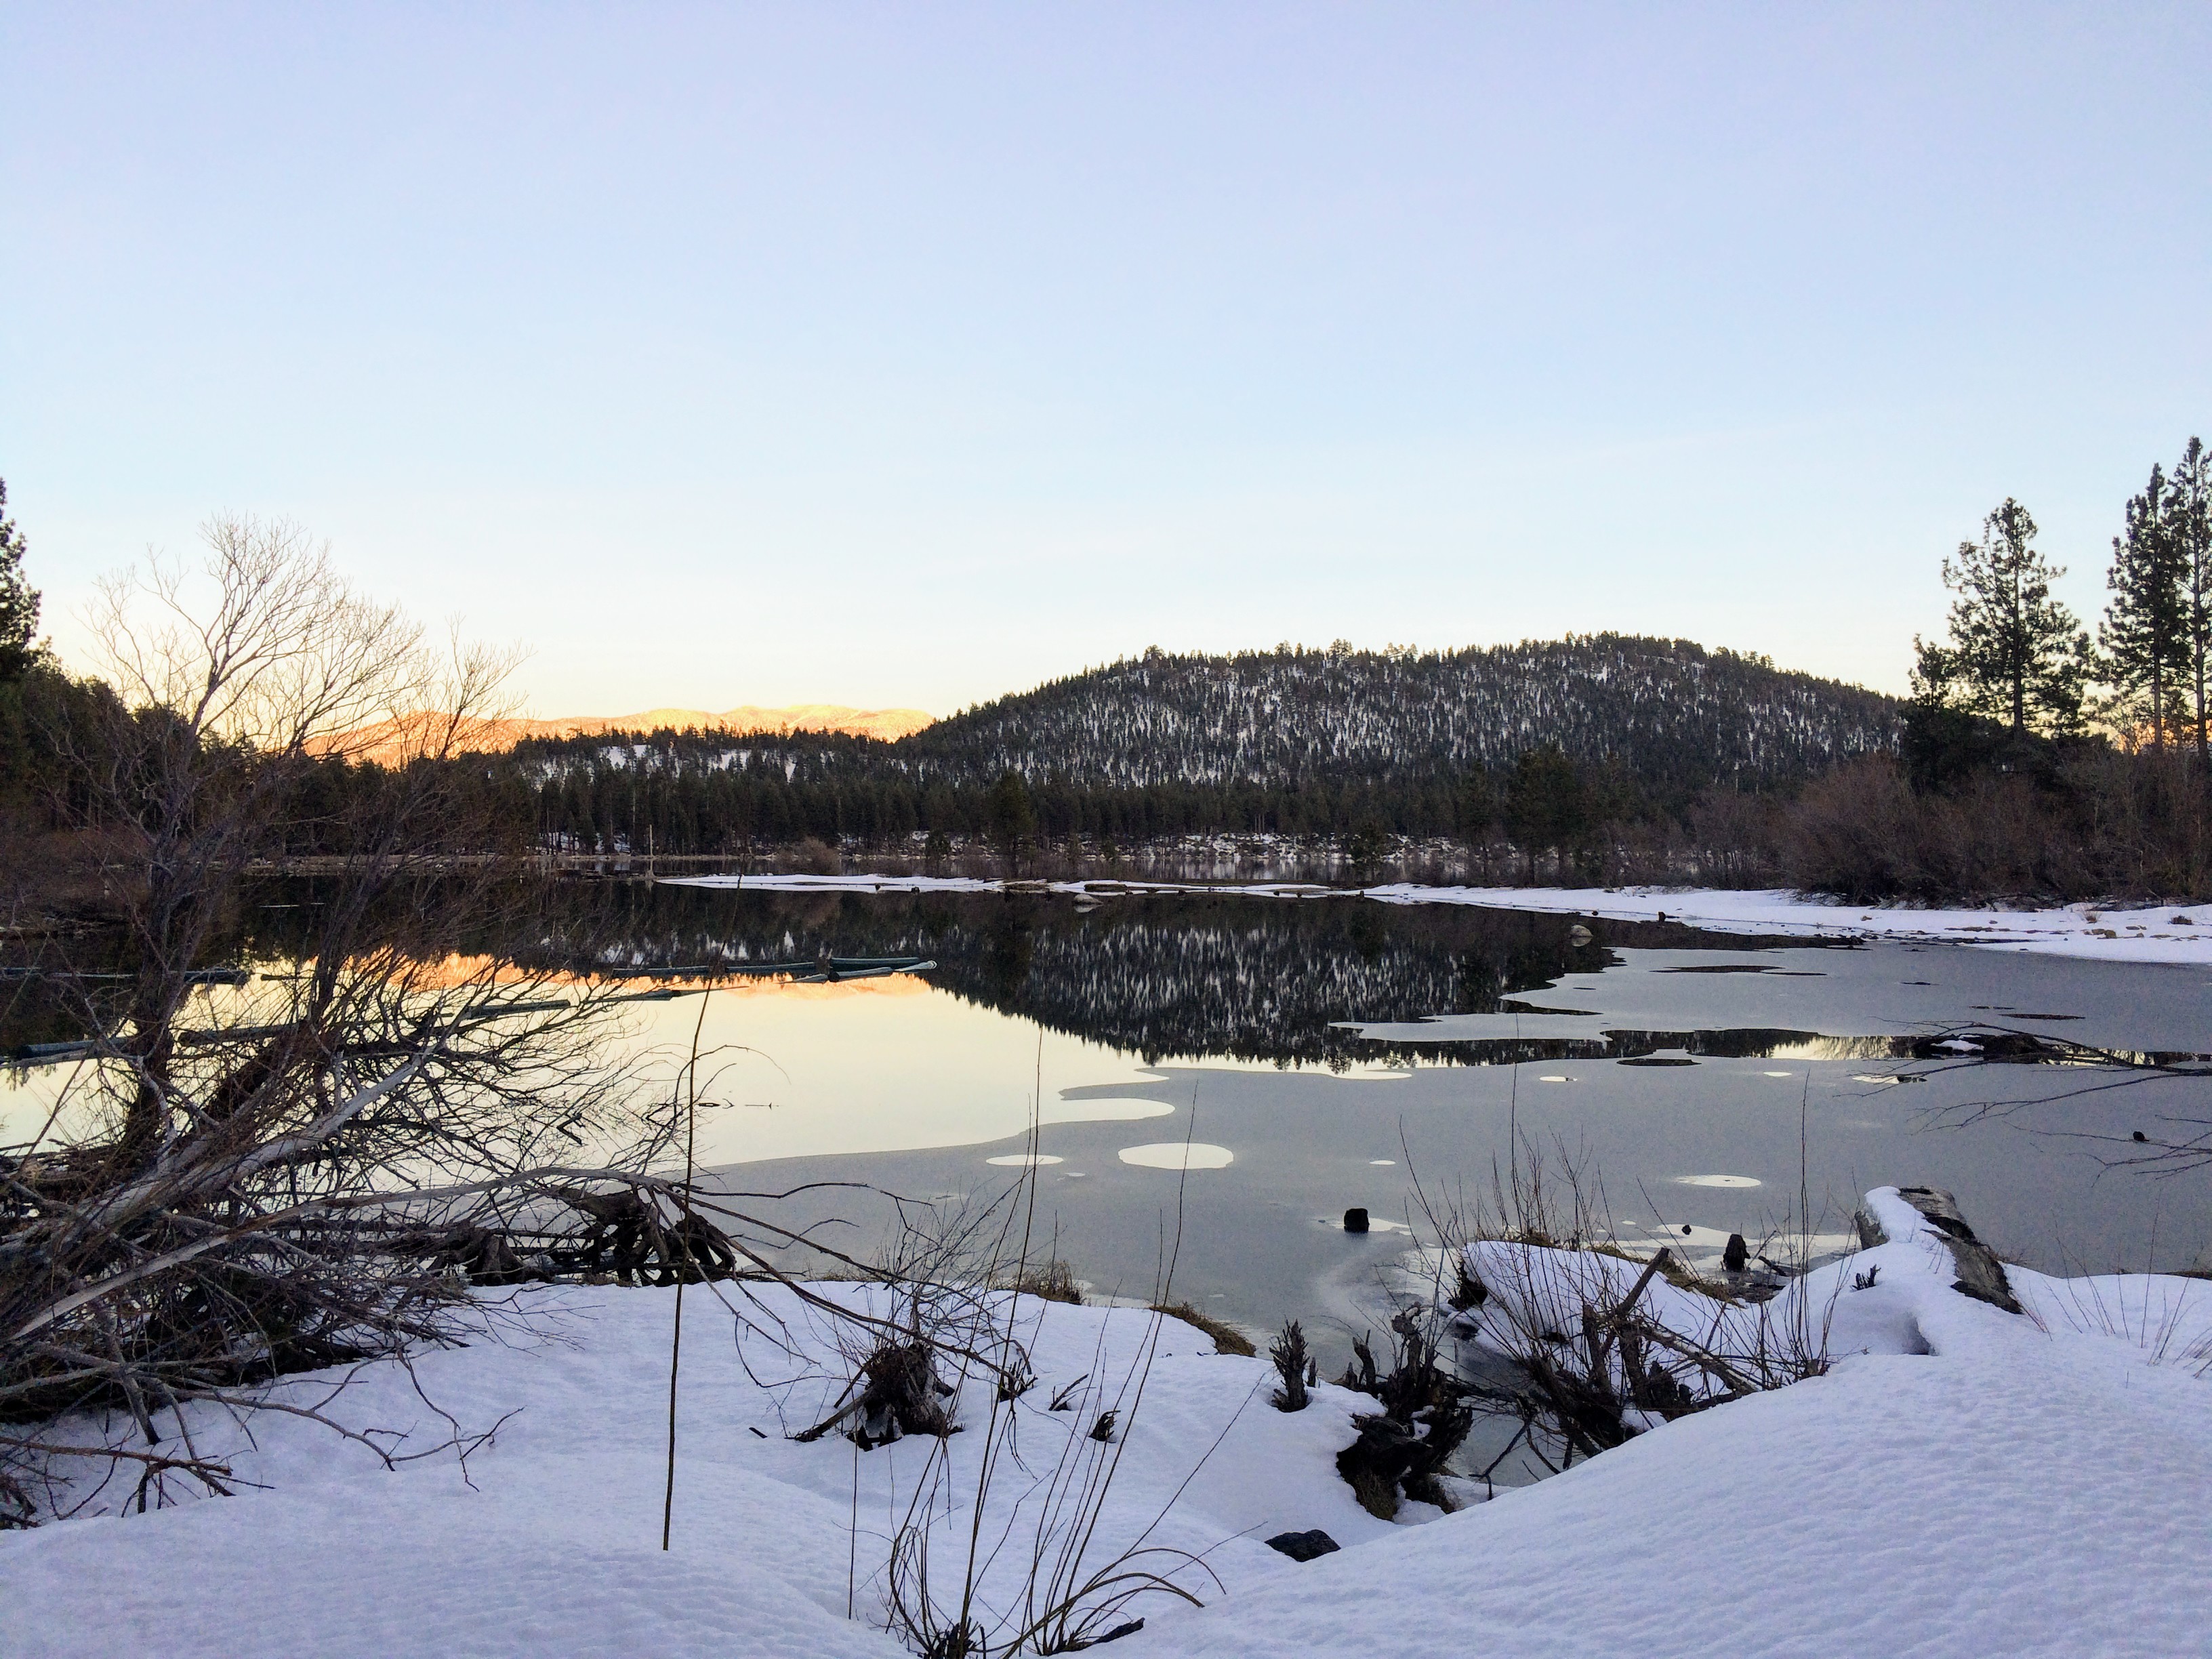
(2179, 935)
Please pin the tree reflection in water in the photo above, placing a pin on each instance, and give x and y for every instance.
(1167, 977)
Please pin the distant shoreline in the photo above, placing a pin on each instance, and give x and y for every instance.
(2155, 934)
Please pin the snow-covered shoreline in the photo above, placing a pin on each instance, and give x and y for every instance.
(1962, 1480)
(2157, 933)
(2169, 932)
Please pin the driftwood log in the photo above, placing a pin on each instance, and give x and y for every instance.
(1981, 1275)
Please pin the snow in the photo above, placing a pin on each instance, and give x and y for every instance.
(2169, 932)
(1962, 1480)
(2154, 933)
(547, 1543)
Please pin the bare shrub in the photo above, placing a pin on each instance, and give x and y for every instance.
(2084, 820)
(1735, 838)
(1406, 1446)
(950, 1265)
(1862, 832)
(1298, 1369)
(1610, 1342)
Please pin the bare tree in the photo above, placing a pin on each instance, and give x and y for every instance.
(254, 1167)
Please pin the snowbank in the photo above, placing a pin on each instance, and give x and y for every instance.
(2157, 933)
(548, 1542)
(1963, 1480)
(2176, 933)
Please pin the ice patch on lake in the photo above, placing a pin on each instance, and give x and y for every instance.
(1176, 1155)
(1073, 1107)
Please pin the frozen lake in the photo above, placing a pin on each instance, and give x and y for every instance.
(1323, 1050)
(1318, 1053)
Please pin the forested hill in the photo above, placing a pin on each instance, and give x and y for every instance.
(1669, 711)
(1291, 741)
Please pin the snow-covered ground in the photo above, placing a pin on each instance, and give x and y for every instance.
(2179, 934)
(2158, 933)
(1963, 1481)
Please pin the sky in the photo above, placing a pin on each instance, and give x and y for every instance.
(905, 355)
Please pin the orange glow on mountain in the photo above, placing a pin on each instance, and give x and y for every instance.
(392, 741)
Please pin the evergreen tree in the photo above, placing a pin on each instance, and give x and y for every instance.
(1546, 806)
(1365, 847)
(2014, 653)
(18, 600)
(1474, 809)
(2145, 633)
(2190, 517)
(1010, 816)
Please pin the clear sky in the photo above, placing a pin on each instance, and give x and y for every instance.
(906, 354)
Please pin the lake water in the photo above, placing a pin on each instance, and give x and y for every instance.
(1323, 1052)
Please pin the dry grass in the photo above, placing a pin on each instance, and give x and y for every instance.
(1226, 1337)
(1049, 1281)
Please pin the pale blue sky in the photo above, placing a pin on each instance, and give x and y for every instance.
(908, 355)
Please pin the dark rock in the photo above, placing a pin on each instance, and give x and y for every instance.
(1355, 1221)
(1304, 1546)
(1737, 1256)
(1119, 1632)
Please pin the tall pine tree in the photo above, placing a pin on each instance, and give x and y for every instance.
(2190, 515)
(2015, 655)
(18, 600)
(2145, 633)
